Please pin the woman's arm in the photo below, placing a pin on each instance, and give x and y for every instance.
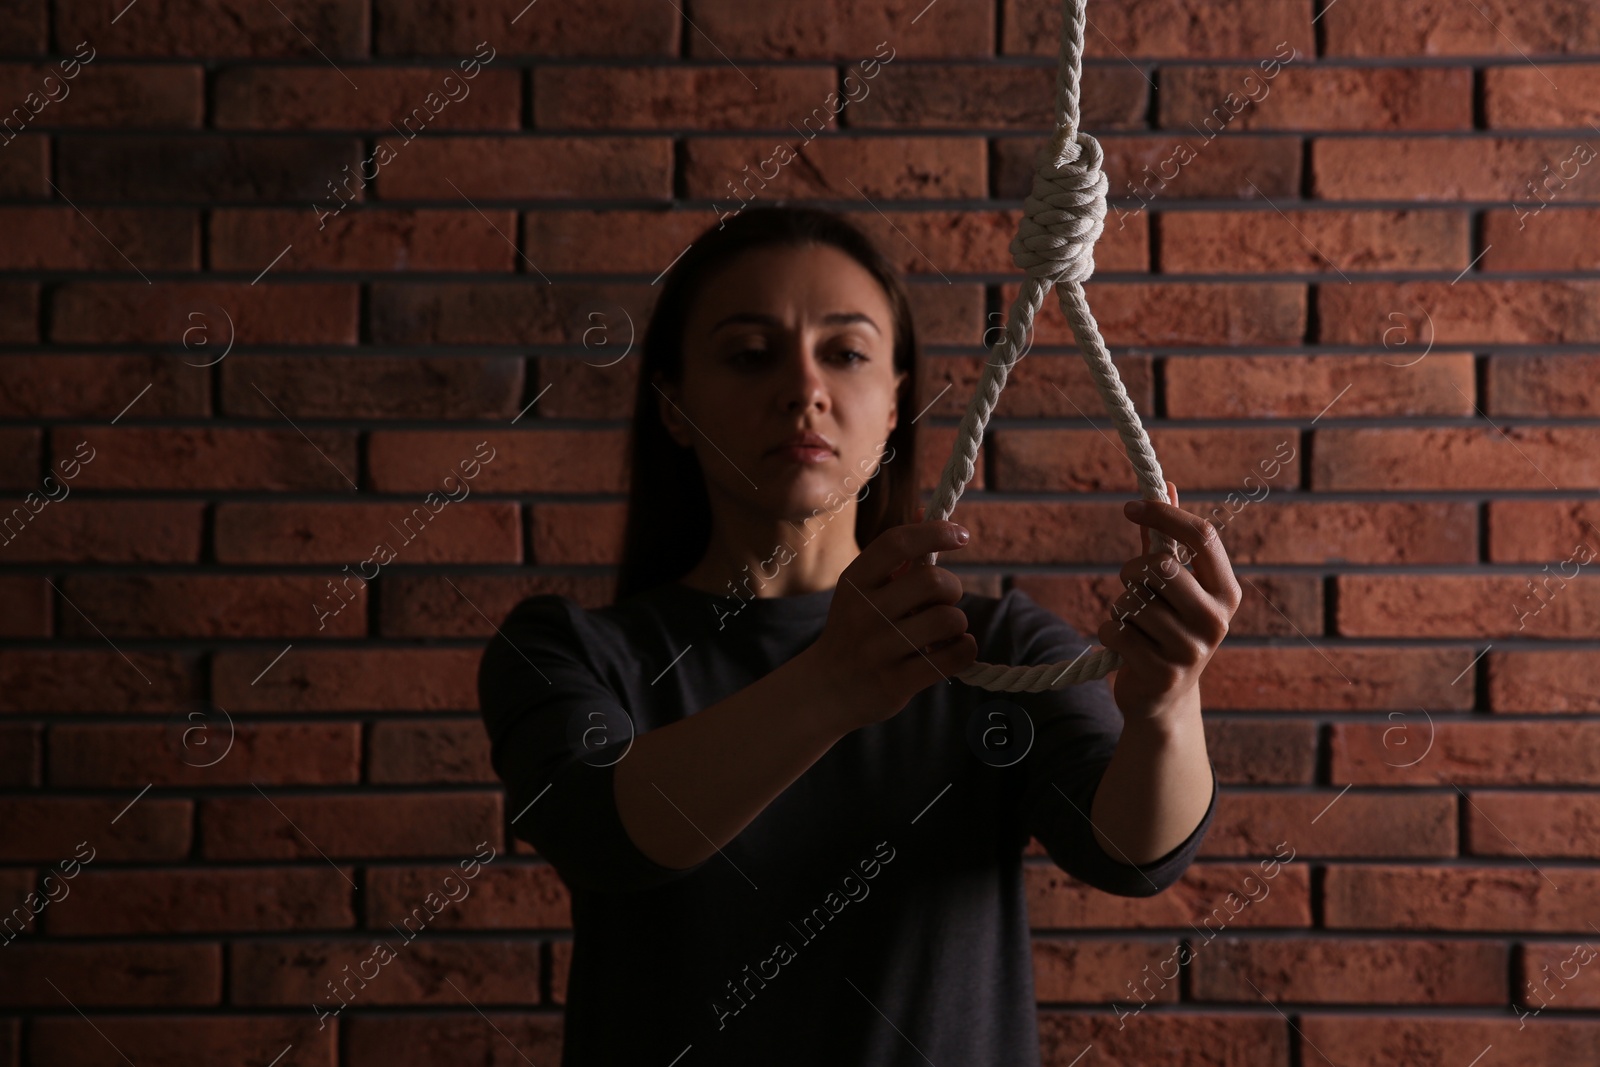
(1156, 788)
(686, 789)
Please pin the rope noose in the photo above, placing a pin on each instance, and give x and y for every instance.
(1062, 218)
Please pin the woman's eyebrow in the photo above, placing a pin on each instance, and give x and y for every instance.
(836, 318)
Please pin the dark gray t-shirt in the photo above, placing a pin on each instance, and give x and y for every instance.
(874, 912)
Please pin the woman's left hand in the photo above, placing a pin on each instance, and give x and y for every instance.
(1169, 621)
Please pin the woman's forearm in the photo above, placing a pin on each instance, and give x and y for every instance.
(686, 789)
(1156, 788)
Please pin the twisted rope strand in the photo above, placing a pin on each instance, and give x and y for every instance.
(1063, 217)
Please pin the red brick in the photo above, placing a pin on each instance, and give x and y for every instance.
(489, 313)
(1026, 532)
(389, 679)
(1469, 312)
(262, 753)
(1442, 168)
(1175, 28)
(1539, 963)
(24, 30)
(536, 166)
(423, 1040)
(1294, 97)
(1504, 457)
(106, 531)
(213, 606)
(1533, 824)
(1328, 823)
(1180, 313)
(1343, 678)
(1056, 899)
(313, 29)
(102, 682)
(353, 534)
(15, 885)
(1527, 237)
(1424, 749)
(391, 100)
(714, 97)
(1324, 242)
(1526, 97)
(20, 449)
(420, 972)
(788, 29)
(592, 384)
(1236, 1039)
(1553, 606)
(1342, 971)
(1516, 898)
(879, 167)
(1040, 385)
(1262, 753)
(575, 534)
(380, 239)
(128, 312)
(53, 830)
(27, 602)
(606, 241)
(208, 167)
(20, 751)
(1303, 387)
(523, 461)
(431, 605)
(948, 313)
(180, 1040)
(207, 900)
(63, 239)
(19, 311)
(1055, 461)
(1447, 1039)
(60, 386)
(437, 752)
(123, 95)
(372, 387)
(156, 974)
(1541, 531)
(500, 897)
(605, 28)
(23, 166)
(993, 97)
(370, 824)
(1098, 971)
(213, 458)
(1484, 28)
(1555, 682)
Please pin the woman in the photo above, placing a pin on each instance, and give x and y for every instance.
(789, 836)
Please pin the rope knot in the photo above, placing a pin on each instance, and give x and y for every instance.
(1064, 214)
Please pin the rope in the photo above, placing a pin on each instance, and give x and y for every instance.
(1063, 216)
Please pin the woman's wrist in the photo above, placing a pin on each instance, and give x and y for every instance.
(829, 704)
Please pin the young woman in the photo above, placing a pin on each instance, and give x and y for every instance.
(789, 835)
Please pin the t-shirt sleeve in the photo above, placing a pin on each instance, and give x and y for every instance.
(1075, 733)
(539, 689)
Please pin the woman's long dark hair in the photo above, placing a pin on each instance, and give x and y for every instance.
(669, 513)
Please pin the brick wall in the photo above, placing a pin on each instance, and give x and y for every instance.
(248, 324)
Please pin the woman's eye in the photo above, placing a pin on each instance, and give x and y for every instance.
(860, 357)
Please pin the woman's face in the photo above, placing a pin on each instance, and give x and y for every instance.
(786, 340)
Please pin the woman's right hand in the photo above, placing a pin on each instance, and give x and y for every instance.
(893, 628)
